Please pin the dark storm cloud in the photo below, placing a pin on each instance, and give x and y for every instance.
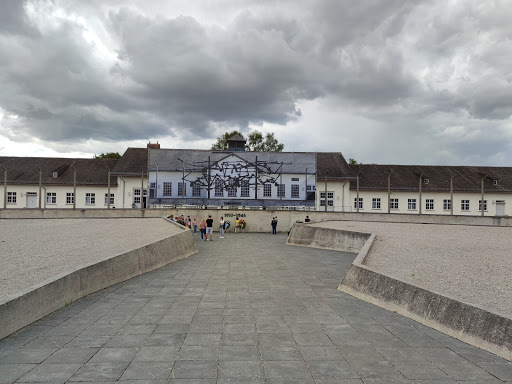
(116, 71)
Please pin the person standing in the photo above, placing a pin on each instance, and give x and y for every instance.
(237, 224)
(202, 227)
(307, 219)
(209, 228)
(221, 227)
(194, 224)
(274, 225)
(189, 222)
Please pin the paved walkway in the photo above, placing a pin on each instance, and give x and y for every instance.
(246, 309)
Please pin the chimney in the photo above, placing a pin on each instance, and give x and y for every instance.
(153, 146)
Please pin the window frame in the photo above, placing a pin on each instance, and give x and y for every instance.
(376, 203)
(219, 188)
(90, 198)
(51, 197)
(12, 198)
(447, 204)
(112, 198)
(393, 203)
(412, 204)
(244, 189)
(182, 189)
(70, 197)
(295, 191)
(480, 205)
(196, 190)
(361, 205)
(167, 187)
(429, 204)
(464, 205)
(267, 190)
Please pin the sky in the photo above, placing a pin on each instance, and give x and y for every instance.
(386, 82)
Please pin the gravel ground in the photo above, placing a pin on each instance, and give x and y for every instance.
(471, 264)
(32, 251)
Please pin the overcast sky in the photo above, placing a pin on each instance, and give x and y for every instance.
(403, 82)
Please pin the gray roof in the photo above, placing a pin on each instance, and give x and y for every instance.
(168, 159)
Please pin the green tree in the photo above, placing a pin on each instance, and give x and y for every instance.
(108, 155)
(259, 143)
(352, 161)
(222, 141)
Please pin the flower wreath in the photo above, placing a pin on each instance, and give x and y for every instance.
(242, 224)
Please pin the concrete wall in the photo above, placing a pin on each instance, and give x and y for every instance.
(29, 306)
(258, 220)
(309, 236)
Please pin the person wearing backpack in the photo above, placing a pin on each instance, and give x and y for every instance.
(274, 225)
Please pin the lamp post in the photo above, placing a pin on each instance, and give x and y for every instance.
(40, 185)
(74, 187)
(357, 192)
(389, 192)
(420, 194)
(5, 186)
(451, 195)
(482, 185)
(325, 198)
(108, 188)
(141, 187)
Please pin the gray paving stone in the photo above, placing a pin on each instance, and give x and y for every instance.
(276, 339)
(239, 353)
(195, 369)
(112, 355)
(88, 341)
(239, 339)
(247, 370)
(10, 372)
(203, 339)
(502, 371)
(465, 371)
(172, 328)
(157, 353)
(196, 352)
(50, 373)
(70, 355)
(162, 339)
(147, 370)
(322, 369)
(27, 356)
(320, 353)
(286, 369)
(282, 353)
(137, 329)
(420, 371)
(124, 341)
(99, 372)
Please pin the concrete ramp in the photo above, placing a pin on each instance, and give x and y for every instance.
(31, 304)
(472, 324)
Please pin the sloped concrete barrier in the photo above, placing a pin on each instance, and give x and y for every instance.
(309, 236)
(17, 311)
(469, 323)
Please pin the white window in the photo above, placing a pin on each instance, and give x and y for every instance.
(295, 191)
(311, 188)
(376, 203)
(426, 181)
(295, 179)
(196, 190)
(232, 189)
(11, 197)
(393, 203)
(167, 189)
(464, 205)
(219, 190)
(90, 198)
(51, 197)
(152, 185)
(267, 190)
(360, 203)
(411, 203)
(136, 196)
(447, 204)
(495, 182)
(429, 204)
(69, 197)
(330, 199)
(281, 190)
(244, 190)
(112, 198)
(480, 205)
(182, 189)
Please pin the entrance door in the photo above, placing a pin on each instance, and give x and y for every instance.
(500, 208)
(31, 201)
